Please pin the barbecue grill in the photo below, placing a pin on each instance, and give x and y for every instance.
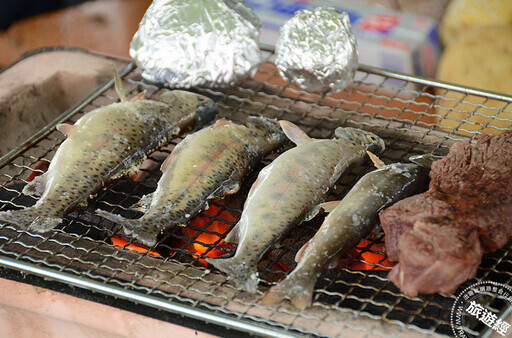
(355, 298)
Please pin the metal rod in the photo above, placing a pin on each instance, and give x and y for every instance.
(435, 83)
(420, 80)
(148, 300)
(49, 128)
(487, 332)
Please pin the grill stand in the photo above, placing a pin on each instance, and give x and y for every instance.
(352, 303)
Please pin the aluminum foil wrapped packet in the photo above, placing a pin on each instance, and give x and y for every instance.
(185, 43)
(317, 50)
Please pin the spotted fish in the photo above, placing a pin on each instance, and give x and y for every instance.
(204, 167)
(288, 192)
(349, 221)
(104, 144)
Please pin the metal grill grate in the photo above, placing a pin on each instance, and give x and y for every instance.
(413, 116)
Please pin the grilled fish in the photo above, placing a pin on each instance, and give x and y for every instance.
(288, 192)
(349, 221)
(203, 168)
(105, 144)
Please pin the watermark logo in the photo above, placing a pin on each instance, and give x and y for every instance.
(478, 308)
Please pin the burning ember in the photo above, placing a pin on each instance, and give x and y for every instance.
(204, 235)
(371, 254)
(208, 235)
(121, 243)
(365, 256)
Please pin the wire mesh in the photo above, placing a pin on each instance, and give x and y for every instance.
(412, 116)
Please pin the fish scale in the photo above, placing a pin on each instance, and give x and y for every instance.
(104, 144)
(288, 192)
(203, 168)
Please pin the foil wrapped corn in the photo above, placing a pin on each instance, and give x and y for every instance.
(317, 50)
(211, 43)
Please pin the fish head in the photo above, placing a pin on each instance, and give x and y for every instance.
(270, 128)
(425, 160)
(368, 140)
(203, 108)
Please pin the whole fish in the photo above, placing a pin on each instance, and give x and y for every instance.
(288, 192)
(204, 167)
(104, 144)
(349, 221)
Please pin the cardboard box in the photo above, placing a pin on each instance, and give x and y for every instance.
(386, 39)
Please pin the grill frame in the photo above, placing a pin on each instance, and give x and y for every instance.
(251, 322)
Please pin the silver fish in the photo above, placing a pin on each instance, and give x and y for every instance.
(288, 192)
(349, 221)
(103, 145)
(205, 167)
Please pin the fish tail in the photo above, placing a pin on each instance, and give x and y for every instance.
(33, 218)
(244, 275)
(144, 231)
(296, 287)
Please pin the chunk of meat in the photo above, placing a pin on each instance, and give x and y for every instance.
(439, 236)
(402, 216)
(437, 256)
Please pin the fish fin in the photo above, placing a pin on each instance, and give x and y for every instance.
(143, 204)
(35, 187)
(259, 180)
(300, 253)
(221, 123)
(140, 96)
(245, 276)
(329, 206)
(228, 188)
(130, 171)
(294, 133)
(118, 85)
(255, 185)
(335, 261)
(33, 218)
(44, 223)
(312, 213)
(377, 162)
(167, 161)
(298, 287)
(425, 160)
(233, 237)
(231, 188)
(66, 129)
(143, 231)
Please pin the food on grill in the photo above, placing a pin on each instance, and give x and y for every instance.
(480, 58)
(439, 236)
(185, 43)
(104, 144)
(203, 168)
(317, 50)
(462, 15)
(288, 192)
(349, 221)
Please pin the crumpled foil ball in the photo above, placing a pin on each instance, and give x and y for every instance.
(185, 43)
(317, 50)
